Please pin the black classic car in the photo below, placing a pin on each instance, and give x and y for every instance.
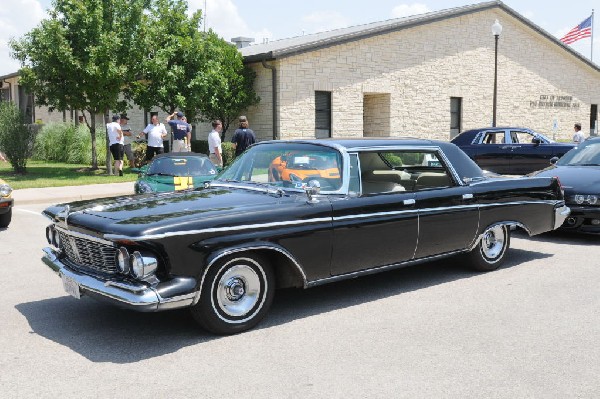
(510, 150)
(222, 250)
(6, 204)
(579, 173)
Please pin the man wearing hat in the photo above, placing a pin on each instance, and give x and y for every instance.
(127, 139)
(182, 132)
(243, 137)
(578, 137)
(115, 141)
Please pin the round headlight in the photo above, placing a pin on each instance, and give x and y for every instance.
(579, 199)
(5, 190)
(142, 266)
(50, 235)
(123, 260)
(592, 199)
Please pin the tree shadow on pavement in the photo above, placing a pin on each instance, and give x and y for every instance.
(103, 333)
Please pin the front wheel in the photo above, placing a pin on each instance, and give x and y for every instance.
(237, 293)
(489, 254)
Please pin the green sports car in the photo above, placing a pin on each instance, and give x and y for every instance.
(174, 171)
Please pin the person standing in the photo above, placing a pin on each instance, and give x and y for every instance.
(243, 137)
(115, 141)
(155, 133)
(127, 140)
(578, 137)
(181, 131)
(214, 144)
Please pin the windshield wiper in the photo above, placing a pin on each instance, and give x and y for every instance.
(266, 186)
(586, 164)
(159, 174)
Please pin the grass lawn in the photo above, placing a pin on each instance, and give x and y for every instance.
(44, 174)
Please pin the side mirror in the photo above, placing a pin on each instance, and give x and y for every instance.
(536, 141)
(312, 188)
(553, 160)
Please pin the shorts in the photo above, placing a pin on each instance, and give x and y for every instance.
(179, 146)
(152, 151)
(128, 151)
(117, 151)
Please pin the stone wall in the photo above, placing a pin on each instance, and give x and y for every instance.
(540, 84)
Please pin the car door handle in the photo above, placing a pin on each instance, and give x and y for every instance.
(505, 147)
(467, 196)
(409, 202)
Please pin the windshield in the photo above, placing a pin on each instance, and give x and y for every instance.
(287, 165)
(181, 166)
(583, 155)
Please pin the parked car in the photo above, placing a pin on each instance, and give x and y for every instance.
(6, 204)
(579, 173)
(174, 171)
(223, 250)
(510, 150)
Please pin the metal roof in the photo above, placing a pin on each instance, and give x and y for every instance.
(301, 44)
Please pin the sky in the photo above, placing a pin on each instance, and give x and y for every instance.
(276, 19)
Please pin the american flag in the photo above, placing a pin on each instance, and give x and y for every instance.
(581, 31)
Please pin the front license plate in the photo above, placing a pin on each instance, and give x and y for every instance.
(71, 287)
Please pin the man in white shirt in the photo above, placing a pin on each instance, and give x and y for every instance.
(578, 137)
(155, 133)
(214, 144)
(115, 141)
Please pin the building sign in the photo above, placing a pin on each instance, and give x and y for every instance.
(549, 101)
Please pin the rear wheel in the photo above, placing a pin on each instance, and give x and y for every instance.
(5, 218)
(490, 252)
(237, 293)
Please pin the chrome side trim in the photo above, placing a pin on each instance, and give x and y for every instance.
(380, 269)
(245, 249)
(219, 229)
(84, 236)
(322, 220)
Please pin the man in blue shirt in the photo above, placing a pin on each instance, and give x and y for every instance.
(182, 132)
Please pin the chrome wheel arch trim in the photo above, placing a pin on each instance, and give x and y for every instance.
(508, 224)
(231, 251)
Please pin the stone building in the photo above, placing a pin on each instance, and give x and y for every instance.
(429, 76)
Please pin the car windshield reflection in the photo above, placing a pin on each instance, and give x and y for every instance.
(583, 155)
(287, 166)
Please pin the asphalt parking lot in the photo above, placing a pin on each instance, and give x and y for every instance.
(530, 329)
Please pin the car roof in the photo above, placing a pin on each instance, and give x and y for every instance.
(364, 142)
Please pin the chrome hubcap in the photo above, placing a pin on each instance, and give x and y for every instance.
(493, 242)
(238, 290)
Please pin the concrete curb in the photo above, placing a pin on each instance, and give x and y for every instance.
(57, 195)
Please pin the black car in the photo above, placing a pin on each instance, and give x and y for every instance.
(510, 150)
(224, 249)
(579, 173)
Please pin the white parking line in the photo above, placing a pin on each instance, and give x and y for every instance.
(28, 211)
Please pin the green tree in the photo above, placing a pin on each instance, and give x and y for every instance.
(81, 57)
(184, 68)
(16, 138)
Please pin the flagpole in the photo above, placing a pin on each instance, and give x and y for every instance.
(592, 49)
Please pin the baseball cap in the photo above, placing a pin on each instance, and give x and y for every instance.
(123, 116)
(180, 114)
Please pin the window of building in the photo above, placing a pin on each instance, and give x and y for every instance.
(594, 119)
(455, 116)
(322, 114)
(5, 94)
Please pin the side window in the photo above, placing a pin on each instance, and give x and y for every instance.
(519, 137)
(396, 171)
(493, 138)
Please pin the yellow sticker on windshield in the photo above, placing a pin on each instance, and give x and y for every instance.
(183, 182)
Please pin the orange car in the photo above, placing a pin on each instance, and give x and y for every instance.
(296, 168)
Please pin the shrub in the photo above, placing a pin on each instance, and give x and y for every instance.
(16, 138)
(65, 142)
(201, 147)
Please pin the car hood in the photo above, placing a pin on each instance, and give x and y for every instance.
(580, 178)
(152, 214)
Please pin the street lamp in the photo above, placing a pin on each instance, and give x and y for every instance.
(496, 31)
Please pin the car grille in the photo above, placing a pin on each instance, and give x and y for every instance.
(89, 254)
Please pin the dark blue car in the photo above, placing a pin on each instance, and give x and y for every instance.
(579, 174)
(510, 150)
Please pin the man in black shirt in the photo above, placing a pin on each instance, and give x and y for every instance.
(243, 137)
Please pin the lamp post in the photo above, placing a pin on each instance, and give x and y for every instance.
(496, 31)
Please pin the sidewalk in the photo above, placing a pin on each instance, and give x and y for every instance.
(56, 195)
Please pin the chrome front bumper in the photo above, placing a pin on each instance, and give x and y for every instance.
(136, 296)
(560, 215)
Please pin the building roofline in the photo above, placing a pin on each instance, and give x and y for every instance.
(10, 75)
(376, 29)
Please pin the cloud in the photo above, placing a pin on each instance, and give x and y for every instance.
(223, 17)
(405, 10)
(13, 24)
(321, 21)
